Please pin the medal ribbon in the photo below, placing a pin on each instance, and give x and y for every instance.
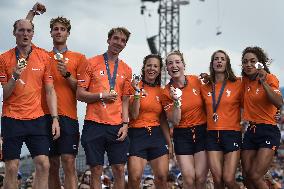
(55, 50)
(214, 105)
(18, 54)
(184, 84)
(111, 80)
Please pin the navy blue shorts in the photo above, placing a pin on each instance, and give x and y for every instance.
(261, 136)
(188, 141)
(35, 133)
(223, 140)
(68, 141)
(147, 144)
(98, 138)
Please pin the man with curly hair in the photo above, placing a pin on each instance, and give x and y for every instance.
(66, 66)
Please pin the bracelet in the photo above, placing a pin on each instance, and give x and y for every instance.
(137, 92)
(177, 103)
(101, 96)
(35, 12)
(14, 78)
(55, 117)
(136, 96)
(125, 123)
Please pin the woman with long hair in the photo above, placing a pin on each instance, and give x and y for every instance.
(223, 98)
(148, 128)
(183, 104)
(262, 97)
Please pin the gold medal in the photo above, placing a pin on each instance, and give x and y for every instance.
(112, 92)
(22, 63)
(215, 117)
(58, 56)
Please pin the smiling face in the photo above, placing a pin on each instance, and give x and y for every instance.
(175, 66)
(116, 43)
(24, 33)
(59, 33)
(248, 63)
(152, 69)
(219, 62)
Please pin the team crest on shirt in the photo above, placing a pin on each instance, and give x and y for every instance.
(194, 91)
(257, 91)
(248, 89)
(158, 98)
(228, 92)
(102, 72)
(209, 94)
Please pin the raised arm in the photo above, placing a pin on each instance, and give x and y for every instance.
(37, 9)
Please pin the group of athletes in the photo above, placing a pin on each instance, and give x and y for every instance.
(128, 118)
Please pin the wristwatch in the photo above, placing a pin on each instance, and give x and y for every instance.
(68, 74)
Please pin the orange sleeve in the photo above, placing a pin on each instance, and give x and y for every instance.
(81, 66)
(127, 88)
(273, 82)
(44, 57)
(167, 102)
(85, 76)
(3, 73)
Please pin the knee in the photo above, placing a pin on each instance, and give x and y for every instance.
(253, 175)
(68, 164)
(134, 178)
(96, 171)
(42, 165)
(200, 180)
(188, 181)
(218, 180)
(229, 180)
(54, 164)
(161, 178)
(118, 171)
(11, 167)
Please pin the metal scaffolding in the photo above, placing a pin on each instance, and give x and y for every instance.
(169, 27)
(169, 19)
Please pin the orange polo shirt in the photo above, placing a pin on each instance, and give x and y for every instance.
(95, 80)
(229, 108)
(25, 100)
(66, 97)
(257, 107)
(192, 108)
(150, 108)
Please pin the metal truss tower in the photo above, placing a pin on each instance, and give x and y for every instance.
(169, 20)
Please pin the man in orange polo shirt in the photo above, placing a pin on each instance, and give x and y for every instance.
(23, 72)
(105, 87)
(65, 69)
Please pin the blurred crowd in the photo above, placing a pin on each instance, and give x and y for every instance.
(275, 177)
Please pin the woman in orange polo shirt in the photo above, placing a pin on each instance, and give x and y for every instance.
(262, 97)
(148, 128)
(222, 96)
(183, 104)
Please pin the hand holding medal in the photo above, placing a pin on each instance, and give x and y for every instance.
(61, 65)
(111, 96)
(38, 9)
(176, 94)
(261, 72)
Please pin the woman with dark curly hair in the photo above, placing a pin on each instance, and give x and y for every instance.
(222, 96)
(262, 97)
(148, 128)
